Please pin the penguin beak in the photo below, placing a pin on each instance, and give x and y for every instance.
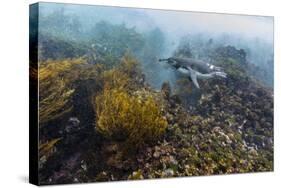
(164, 62)
(160, 60)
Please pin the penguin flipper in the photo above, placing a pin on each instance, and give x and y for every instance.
(193, 77)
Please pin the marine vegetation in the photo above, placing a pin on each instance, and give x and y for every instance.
(124, 112)
(54, 78)
(108, 110)
(133, 119)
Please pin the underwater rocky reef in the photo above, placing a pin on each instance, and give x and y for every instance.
(103, 118)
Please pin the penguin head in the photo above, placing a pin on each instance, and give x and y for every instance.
(171, 61)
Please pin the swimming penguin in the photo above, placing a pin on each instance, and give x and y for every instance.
(195, 69)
